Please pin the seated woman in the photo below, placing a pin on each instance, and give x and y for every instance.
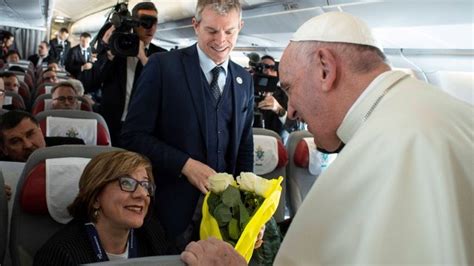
(111, 218)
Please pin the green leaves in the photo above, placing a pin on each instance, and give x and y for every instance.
(222, 214)
(231, 213)
(231, 197)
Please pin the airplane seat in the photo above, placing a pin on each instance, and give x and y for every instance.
(89, 126)
(306, 164)
(3, 219)
(24, 92)
(270, 160)
(15, 100)
(43, 103)
(43, 88)
(39, 210)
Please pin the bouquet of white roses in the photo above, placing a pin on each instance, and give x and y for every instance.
(236, 211)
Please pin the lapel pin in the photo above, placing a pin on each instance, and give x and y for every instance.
(239, 80)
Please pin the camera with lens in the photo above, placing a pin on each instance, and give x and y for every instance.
(123, 41)
(263, 85)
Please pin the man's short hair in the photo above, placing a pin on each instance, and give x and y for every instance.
(267, 57)
(78, 86)
(85, 35)
(11, 119)
(6, 35)
(220, 6)
(45, 43)
(63, 84)
(12, 52)
(7, 74)
(61, 30)
(143, 6)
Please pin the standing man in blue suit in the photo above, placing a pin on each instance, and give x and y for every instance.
(200, 121)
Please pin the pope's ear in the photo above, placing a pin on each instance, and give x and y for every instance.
(326, 65)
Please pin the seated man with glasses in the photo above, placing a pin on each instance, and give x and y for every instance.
(64, 96)
(111, 215)
(49, 76)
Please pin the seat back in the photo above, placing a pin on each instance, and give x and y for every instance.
(305, 165)
(270, 160)
(43, 103)
(42, 88)
(299, 178)
(30, 208)
(15, 100)
(3, 219)
(103, 134)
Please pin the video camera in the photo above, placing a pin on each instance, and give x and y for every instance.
(122, 41)
(259, 67)
(264, 83)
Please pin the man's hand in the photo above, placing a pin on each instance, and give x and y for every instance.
(270, 103)
(198, 174)
(107, 34)
(141, 53)
(211, 252)
(8, 191)
(86, 66)
(106, 38)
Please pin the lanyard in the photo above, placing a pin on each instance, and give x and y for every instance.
(99, 251)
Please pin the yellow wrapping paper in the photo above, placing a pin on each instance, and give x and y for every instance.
(245, 244)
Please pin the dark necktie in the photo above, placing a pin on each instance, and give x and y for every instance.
(84, 54)
(216, 92)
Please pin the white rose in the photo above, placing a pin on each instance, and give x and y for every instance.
(219, 182)
(251, 182)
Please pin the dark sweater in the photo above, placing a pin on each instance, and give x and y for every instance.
(71, 245)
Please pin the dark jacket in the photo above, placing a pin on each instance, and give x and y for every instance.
(167, 121)
(56, 51)
(34, 59)
(75, 60)
(113, 77)
(71, 244)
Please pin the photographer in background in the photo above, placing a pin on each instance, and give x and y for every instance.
(273, 105)
(118, 73)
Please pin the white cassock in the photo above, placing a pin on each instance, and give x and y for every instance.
(402, 189)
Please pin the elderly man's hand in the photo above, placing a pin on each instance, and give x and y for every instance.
(211, 252)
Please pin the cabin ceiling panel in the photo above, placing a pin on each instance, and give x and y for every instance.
(23, 13)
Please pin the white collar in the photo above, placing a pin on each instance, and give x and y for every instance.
(366, 102)
(207, 64)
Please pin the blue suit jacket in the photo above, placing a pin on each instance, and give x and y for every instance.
(167, 122)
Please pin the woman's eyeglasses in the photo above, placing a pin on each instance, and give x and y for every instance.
(130, 184)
